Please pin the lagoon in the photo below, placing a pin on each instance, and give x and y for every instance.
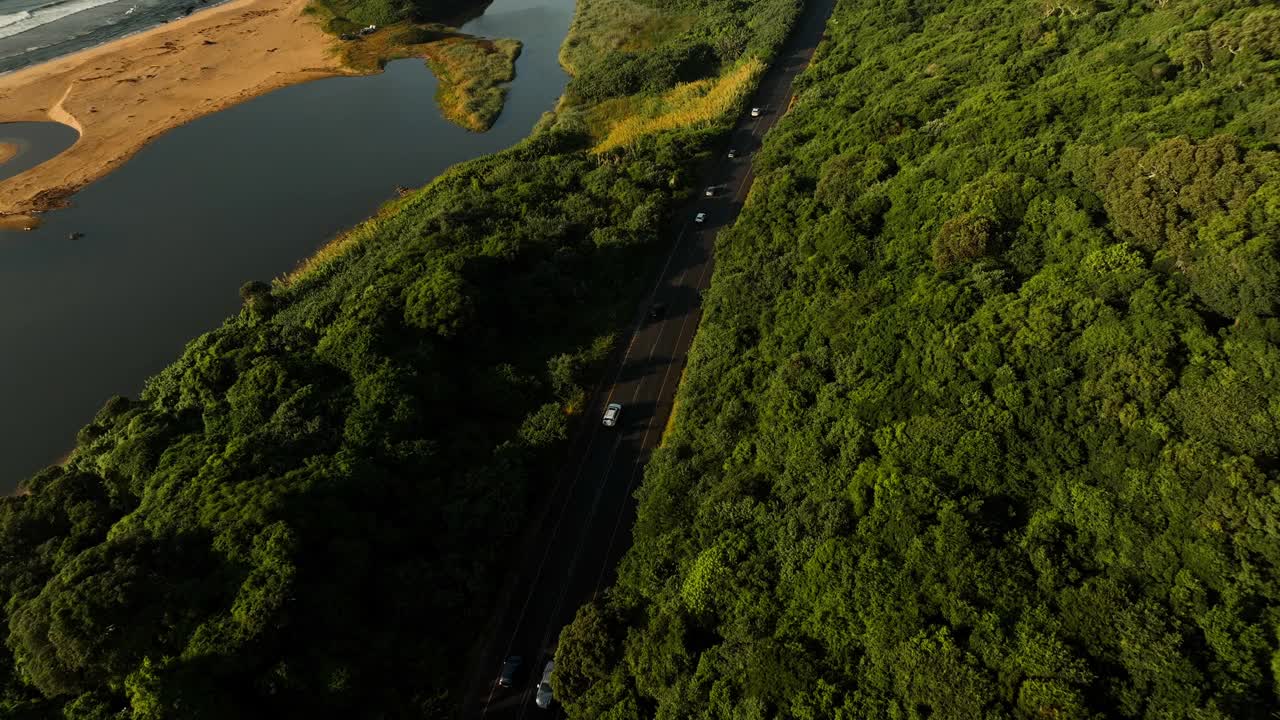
(244, 194)
(35, 143)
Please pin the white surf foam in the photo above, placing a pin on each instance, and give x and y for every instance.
(20, 22)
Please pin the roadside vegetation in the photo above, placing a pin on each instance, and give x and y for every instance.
(623, 122)
(310, 512)
(982, 418)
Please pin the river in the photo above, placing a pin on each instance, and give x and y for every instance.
(239, 195)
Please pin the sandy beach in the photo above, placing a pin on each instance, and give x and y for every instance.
(121, 95)
(7, 151)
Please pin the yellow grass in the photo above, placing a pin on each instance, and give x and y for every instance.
(473, 73)
(372, 52)
(333, 250)
(671, 419)
(349, 240)
(575, 404)
(600, 26)
(622, 122)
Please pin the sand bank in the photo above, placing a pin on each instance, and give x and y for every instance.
(7, 151)
(123, 94)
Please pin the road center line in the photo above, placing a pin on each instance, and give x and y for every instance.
(564, 508)
(573, 564)
(533, 586)
(641, 458)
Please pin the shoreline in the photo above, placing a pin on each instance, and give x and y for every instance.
(152, 81)
(8, 151)
(206, 6)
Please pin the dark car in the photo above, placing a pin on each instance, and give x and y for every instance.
(657, 311)
(510, 666)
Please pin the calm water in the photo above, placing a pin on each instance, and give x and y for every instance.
(36, 141)
(243, 194)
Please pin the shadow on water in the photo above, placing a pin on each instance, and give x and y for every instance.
(243, 194)
(36, 142)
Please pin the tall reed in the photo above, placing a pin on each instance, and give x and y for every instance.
(686, 105)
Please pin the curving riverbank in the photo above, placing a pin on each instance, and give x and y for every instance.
(122, 95)
(239, 194)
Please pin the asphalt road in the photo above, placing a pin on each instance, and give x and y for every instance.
(587, 525)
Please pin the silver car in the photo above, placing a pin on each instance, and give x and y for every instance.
(612, 412)
(543, 698)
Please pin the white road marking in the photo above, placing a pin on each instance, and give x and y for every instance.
(644, 440)
(613, 453)
(564, 586)
(533, 585)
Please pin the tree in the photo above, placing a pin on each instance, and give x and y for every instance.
(438, 302)
(256, 296)
(963, 238)
(585, 654)
(1160, 196)
(1235, 266)
(563, 371)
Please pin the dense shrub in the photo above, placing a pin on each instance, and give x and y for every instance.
(1040, 484)
(308, 514)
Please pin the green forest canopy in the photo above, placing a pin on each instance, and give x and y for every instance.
(307, 514)
(983, 417)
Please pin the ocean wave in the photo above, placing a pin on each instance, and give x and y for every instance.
(20, 22)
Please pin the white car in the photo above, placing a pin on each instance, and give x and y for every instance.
(755, 112)
(700, 217)
(711, 192)
(612, 412)
(732, 153)
(543, 698)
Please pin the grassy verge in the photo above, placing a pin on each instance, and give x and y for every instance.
(473, 73)
(600, 26)
(622, 122)
(671, 419)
